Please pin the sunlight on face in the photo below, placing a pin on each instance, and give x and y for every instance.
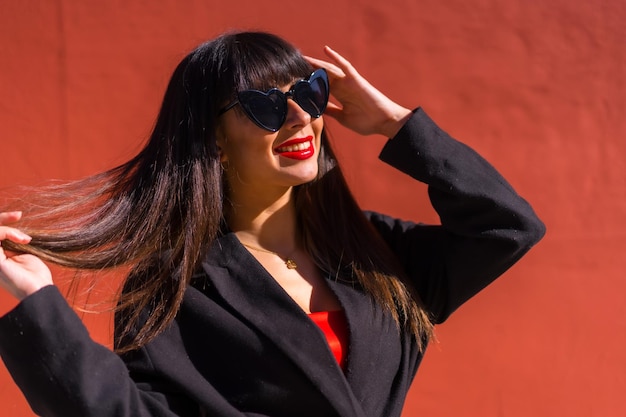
(259, 161)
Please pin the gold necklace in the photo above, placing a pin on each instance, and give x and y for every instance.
(289, 262)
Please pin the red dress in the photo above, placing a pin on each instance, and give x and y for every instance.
(335, 327)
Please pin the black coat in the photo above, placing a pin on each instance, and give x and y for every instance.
(240, 346)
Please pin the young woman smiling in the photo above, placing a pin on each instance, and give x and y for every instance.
(257, 286)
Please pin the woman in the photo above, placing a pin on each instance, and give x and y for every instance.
(257, 287)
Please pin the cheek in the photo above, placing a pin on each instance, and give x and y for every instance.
(249, 155)
(244, 142)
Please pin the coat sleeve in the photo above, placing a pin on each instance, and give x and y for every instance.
(61, 370)
(485, 225)
(64, 373)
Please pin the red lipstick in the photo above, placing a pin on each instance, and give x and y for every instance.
(299, 148)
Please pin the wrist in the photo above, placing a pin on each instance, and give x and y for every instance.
(22, 292)
(32, 289)
(396, 120)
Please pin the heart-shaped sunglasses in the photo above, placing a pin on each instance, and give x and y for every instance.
(269, 109)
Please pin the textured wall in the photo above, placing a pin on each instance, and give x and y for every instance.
(537, 87)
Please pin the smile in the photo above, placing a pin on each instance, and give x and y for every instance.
(300, 148)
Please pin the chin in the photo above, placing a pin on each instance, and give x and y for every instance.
(306, 177)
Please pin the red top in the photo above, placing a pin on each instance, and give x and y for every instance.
(335, 328)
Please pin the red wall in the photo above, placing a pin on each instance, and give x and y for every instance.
(537, 87)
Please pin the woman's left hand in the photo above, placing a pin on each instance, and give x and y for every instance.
(20, 274)
(362, 108)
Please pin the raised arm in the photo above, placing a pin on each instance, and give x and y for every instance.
(485, 225)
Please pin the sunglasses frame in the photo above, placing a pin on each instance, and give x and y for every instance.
(284, 96)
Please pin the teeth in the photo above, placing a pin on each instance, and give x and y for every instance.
(295, 148)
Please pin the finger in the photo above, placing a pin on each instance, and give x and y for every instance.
(333, 110)
(339, 60)
(14, 235)
(331, 69)
(316, 62)
(10, 217)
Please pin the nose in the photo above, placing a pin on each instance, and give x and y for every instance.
(296, 116)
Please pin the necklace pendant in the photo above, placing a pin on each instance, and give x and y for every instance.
(291, 264)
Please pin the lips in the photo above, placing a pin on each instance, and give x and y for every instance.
(299, 148)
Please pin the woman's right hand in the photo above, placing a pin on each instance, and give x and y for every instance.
(362, 107)
(20, 274)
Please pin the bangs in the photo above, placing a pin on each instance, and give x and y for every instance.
(213, 74)
(262, 61)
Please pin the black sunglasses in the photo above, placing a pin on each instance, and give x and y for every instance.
(269, 109)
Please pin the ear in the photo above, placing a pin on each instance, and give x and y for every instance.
(220, 153)
(220, 141)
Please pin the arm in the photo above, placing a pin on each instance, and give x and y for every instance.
(62, 371)
(48, 351)
(485, 225)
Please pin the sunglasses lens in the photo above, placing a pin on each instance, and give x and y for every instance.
(267, 110)
(312, 95)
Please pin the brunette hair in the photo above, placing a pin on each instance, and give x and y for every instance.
(159, 212)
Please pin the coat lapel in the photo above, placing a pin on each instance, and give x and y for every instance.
(374, 341)
(244, 284)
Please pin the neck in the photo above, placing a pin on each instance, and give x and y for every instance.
(264, 220)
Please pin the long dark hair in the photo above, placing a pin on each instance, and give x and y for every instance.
(159, 212)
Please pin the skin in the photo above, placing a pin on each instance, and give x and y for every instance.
(21, 275)
(261, 211)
